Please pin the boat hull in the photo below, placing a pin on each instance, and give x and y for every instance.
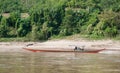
(79, 51)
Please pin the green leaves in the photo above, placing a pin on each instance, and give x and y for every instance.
(24, 28)
(111, 32)
(3, 28)
(60, 17)
(10, 6)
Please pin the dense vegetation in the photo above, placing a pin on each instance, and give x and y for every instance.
(47, 18)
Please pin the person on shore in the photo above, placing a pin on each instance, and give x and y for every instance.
(29, 45)
(78, 48)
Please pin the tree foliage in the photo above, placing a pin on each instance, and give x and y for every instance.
(59, 17)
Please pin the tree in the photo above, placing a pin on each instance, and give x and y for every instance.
(24, 28)
(14, 17)
(3, 28)
(68, 23)
(10, 6)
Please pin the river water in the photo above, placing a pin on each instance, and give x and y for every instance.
(21, 62)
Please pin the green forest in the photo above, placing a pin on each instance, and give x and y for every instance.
(48, 18)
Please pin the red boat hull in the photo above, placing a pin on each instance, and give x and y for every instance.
(81, 51)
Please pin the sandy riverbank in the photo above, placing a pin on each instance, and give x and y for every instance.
(59, 44)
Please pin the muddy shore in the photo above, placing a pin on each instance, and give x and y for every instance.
(59, 44)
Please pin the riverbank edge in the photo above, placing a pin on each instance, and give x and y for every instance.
(62, 44)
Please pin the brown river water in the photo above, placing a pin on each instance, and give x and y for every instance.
(29, 62)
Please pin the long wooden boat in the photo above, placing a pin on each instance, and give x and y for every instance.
(55, 50)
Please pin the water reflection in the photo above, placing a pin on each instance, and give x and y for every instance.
(59, 63)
